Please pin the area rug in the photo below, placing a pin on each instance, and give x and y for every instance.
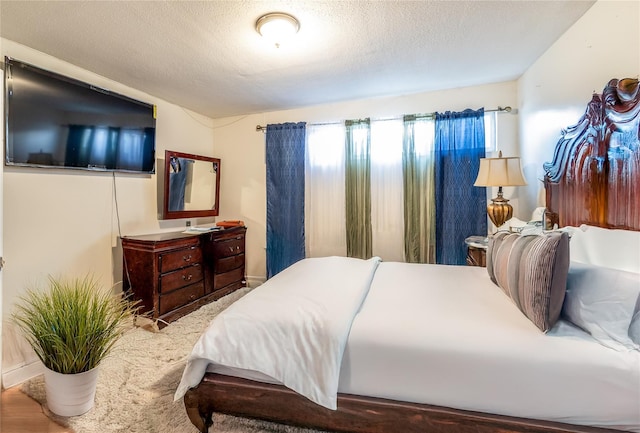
(137, 381)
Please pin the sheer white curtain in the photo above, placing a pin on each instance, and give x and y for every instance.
(325, 229)
(325, 190)
(387, 209)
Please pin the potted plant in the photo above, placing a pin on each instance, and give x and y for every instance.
(72, 325)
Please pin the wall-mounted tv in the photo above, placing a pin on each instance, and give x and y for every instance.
(53, 121)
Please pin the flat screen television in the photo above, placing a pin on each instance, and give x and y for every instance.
(53, 121)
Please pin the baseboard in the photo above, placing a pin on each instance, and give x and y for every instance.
(21, 374)
(254, 282)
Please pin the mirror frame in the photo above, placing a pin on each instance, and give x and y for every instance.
(166, 213)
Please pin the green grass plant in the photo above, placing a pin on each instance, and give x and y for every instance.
(74, 323)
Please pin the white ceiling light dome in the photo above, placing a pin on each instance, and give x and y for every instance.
(277, 27)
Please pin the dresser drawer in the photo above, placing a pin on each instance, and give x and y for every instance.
(181, 277)
(229, 263)
(177, 298)
(179, 259)
(229, 247)
(221, 280)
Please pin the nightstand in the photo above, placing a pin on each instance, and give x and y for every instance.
(477, 250)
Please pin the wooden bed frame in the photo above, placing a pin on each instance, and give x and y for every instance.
(355, 414)
(594, 178)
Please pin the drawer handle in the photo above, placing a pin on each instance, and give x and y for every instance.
(192, 297)
(238, 248)
(187, 277)
(231, 249)
(187, 258)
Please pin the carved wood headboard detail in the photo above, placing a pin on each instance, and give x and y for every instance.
(594, 177)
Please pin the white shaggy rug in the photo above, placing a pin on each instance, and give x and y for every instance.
(137, 382)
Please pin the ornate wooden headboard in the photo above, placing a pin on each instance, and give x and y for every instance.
(594, 177)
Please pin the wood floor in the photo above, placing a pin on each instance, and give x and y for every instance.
(21, 414)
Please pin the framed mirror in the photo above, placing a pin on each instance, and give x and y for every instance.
(191, 185)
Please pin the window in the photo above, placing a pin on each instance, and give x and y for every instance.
(325, 228)
(491, 131)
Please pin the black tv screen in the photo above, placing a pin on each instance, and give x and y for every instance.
(55, 121)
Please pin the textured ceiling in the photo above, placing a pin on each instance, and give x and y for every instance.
(207, 56)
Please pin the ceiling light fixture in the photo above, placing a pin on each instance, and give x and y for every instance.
(277, 27)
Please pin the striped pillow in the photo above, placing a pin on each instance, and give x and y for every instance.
(532, 271)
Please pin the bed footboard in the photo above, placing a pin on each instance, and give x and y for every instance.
(355, 414)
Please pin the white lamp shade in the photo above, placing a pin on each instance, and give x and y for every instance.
(500, 172)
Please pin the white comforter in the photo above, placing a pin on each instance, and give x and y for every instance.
(293, 329)
(448, 336)
(433, 334)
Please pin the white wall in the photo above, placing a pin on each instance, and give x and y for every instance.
(64, 222)
(241, 148)
(1, 212)
(553, 93)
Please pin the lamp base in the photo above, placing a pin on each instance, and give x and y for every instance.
(499, 211)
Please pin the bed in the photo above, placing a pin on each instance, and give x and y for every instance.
(429, 348)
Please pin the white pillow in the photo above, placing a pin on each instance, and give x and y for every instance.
(616, 249)
(634, 328)
(603, 302)
(577, 247)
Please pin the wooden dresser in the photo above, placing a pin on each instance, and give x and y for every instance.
(173, 274)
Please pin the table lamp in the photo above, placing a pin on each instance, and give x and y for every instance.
(500, 172)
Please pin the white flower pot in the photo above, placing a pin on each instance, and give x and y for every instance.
(70, 394)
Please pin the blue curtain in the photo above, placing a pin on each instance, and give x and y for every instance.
(460, 206)
(285, 195)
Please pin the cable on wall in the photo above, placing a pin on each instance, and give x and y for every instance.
(115, 200)
(128, 293)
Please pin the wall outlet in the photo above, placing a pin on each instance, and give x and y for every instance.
(188, 223)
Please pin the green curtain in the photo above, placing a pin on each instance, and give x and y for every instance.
(358, 188)
(419, 196)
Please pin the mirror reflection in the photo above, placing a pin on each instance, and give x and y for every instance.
(192, 184)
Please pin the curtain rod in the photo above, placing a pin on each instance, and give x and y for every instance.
(507, 109)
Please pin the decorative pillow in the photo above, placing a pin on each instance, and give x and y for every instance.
(532, 271)
(602, 301)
